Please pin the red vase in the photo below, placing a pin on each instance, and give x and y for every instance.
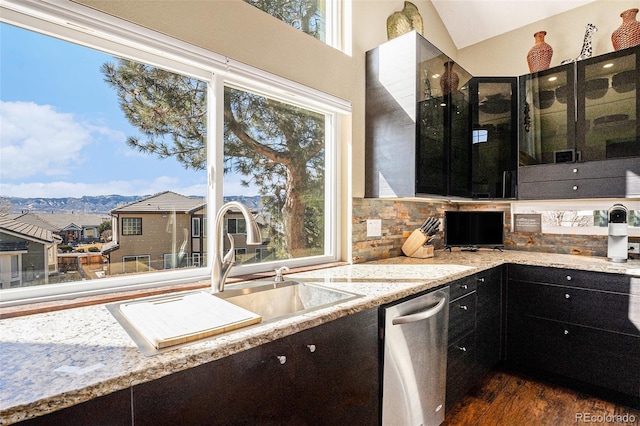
(449, 81)
(627, 34)
(539, 56)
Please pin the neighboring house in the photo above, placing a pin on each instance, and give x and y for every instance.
(159, 232)
(166, 230)
(71, 227)
(28, 253)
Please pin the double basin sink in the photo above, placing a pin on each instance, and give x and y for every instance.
(261, 301)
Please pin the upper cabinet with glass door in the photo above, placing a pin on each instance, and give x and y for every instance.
(579, 129)
(547, 116)
(607, 125)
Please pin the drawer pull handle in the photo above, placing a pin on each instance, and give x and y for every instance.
(461, 348)
(566, 332)
(575, 187)
(568, 277)
(480, 280)
(464, 307)
(282, 359)
(464, 286)
(567, 296)
(575, 170)
(312, 348)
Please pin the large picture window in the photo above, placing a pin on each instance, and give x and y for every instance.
(123, 135)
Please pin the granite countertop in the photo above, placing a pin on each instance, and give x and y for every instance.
(54, 360)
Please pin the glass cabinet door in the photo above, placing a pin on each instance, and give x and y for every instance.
(494, 136)
(607, 125)
(547, 117)
(443, 159)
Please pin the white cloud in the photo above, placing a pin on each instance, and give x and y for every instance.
(38, 140)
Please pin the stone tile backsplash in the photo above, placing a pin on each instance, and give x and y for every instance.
(400, 217)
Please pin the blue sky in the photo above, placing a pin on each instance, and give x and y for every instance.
(62, 133)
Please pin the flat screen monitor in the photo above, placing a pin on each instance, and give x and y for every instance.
(474, 229)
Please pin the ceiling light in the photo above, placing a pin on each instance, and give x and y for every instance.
(553, 78)
(609, 65)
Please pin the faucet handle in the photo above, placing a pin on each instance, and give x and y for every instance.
(279, 278)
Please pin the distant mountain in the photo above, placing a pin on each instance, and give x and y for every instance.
(95, 204)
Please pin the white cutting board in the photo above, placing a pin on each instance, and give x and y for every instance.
(172, 320)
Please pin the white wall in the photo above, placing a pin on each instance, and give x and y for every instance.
(506, 55)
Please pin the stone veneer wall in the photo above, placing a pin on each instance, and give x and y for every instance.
(401, 217)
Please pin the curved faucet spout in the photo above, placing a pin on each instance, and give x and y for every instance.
(222, 265)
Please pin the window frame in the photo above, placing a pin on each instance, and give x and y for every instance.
(90, 28)
(131, 230)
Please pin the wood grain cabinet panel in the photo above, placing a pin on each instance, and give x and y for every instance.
(324, 375)
(475, 331)
(586, 329)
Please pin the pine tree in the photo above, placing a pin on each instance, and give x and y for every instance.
(276, 146)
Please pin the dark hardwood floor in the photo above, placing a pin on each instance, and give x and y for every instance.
(505, 398)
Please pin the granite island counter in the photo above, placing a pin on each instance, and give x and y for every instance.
(55, 360)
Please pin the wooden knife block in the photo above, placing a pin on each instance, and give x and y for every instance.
(414, 246)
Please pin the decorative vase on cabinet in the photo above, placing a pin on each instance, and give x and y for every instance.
(627, 34)
(539, 56)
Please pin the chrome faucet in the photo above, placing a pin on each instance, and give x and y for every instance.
(222, 265)
(279, 278)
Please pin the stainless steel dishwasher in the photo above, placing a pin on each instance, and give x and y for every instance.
(415, 360)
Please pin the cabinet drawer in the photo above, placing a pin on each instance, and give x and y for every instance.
(603, 358)
(621, 186)
(576, 278)
(613, 168)
(463, 286)
(605, 310)
(460, 366)
(462, 316)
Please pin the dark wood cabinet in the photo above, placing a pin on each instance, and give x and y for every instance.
(324, 375)
(577, 324)
(580, 129)
(417, 127)
(475, 331)
(494, 136)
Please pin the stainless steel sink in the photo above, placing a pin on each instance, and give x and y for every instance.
(273, 300)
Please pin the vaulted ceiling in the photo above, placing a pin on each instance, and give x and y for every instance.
(472, 21)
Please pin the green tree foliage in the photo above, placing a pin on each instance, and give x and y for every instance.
(306, 15)
(278, 147)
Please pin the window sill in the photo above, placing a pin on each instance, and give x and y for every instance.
(43, 307)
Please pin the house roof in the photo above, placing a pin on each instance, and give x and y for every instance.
(57, 222)
(164, 202)
(27, 231)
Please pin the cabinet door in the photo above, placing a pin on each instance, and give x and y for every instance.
(488, 321)
(462, 316)
(460, 366)
(336, 378)
(547, 116)
(251, 387)
(607, 102)
(494, 136)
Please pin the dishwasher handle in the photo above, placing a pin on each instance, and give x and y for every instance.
(406, 319)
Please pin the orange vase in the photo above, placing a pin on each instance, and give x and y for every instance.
(627, 34)
(449, 81)
(539, 56)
